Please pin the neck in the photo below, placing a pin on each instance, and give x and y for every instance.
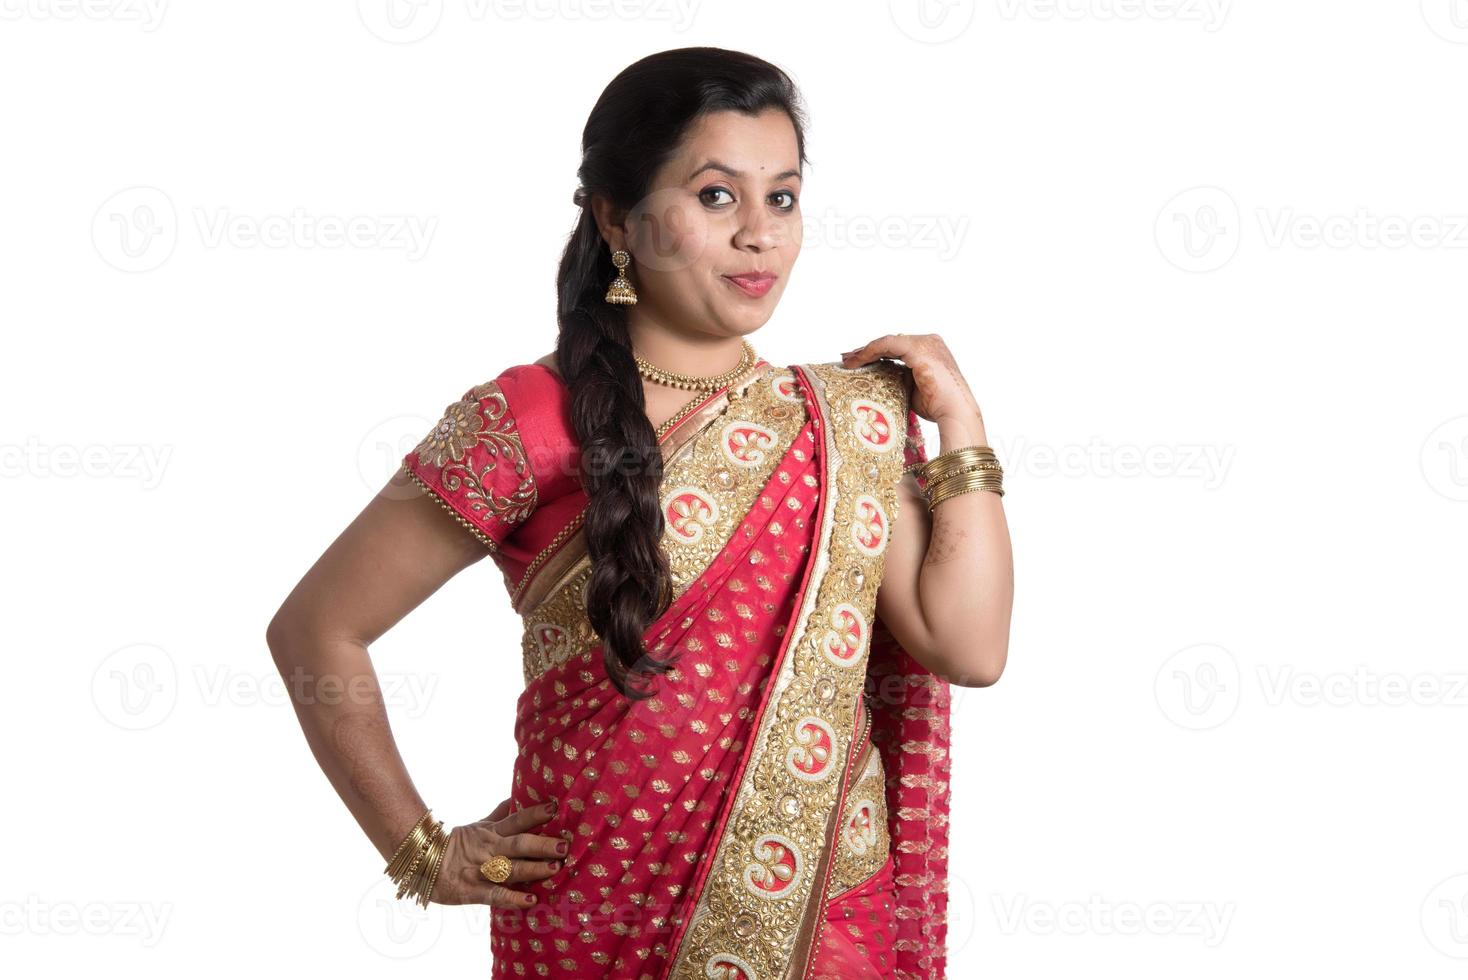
(683, 353)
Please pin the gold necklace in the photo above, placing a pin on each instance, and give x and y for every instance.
(693, 382)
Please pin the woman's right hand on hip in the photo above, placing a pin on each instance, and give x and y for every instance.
(533, 857)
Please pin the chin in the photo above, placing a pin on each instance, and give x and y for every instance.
(744, 322)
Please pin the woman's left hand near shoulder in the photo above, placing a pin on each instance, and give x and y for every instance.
(939, 390)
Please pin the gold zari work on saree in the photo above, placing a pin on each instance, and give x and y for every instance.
(756, 914)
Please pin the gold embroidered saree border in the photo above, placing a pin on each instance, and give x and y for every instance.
(760, 902)
(860, 854)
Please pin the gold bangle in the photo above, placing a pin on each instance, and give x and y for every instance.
(407, 880)
(414, 866)
(960, 490)
(437, 864)
(972, 478)
(413, 885)
(966, 483)
(410, 885)
(413, 842)
(992, 471)
(406, 886)
(431, 863)
(957, 461)
(930, 470)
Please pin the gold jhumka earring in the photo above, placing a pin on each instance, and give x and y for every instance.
(621, 291)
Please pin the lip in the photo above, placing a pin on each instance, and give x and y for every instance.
(754, 284)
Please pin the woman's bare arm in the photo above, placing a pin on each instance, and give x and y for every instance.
(947, 590)
(948, 587)
(397, 552)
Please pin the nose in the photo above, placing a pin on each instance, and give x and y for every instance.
(758, 230)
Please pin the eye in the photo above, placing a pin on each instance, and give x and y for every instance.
(793, 200)
(703, 195)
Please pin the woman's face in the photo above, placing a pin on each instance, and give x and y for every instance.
(715, 240)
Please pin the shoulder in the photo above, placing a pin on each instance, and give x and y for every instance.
(498, 452)
(527, 405)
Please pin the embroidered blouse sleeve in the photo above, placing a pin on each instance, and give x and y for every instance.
(475, 463)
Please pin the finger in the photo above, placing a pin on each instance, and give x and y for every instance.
(887, 345)
(485, 843)
(522, 820)
(500, 812)
(501, 897)
(533, 846)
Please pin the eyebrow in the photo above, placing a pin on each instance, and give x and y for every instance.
(725, 168)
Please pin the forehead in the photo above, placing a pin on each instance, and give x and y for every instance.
(760, 146)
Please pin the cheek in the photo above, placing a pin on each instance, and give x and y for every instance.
(670, 235)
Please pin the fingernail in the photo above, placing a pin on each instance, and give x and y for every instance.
(529, 899)
(561, 847)
(555, 865)
(551, 807)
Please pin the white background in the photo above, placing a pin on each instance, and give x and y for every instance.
(1202, 263)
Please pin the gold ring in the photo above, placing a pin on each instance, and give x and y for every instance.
(497, 869)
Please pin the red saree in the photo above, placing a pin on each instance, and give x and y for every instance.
(778, 810)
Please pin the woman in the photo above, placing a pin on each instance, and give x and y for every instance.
(732, 742)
